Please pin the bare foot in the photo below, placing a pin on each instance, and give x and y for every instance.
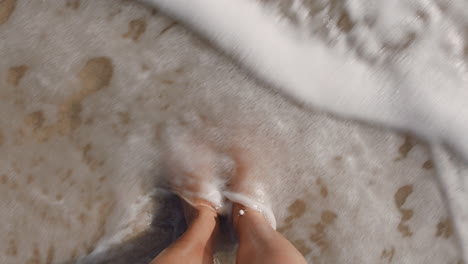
(193, 168)
(245, 189)
(193, 209)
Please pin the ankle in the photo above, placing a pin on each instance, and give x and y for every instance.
(205, 213)
(202, 229)
(247, 220)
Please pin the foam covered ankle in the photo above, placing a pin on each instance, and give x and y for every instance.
(253, 204)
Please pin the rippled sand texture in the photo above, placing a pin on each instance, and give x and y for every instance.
(85, 88)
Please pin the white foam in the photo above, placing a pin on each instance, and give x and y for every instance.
(422, 88)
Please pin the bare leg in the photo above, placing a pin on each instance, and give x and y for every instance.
(259, 243)
(195, 246)
(192, 171)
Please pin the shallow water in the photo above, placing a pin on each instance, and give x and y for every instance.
(80, 159)
(402, 65)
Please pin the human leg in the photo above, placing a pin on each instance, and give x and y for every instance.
(195, 246)
(259, 243)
